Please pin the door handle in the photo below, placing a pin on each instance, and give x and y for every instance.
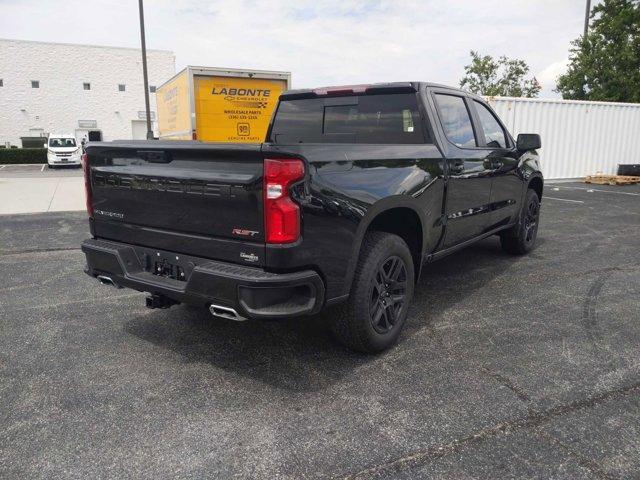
(457, 168)
(493, 164)
(155, 156)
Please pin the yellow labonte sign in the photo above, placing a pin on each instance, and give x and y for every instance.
(174, 118)
(235, 110)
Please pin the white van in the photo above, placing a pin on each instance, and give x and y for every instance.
(63, 150)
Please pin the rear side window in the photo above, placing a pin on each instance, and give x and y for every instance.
(381, 119)
(493, 132)
(298, 121)
(455, 119)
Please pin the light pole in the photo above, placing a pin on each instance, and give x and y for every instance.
(144, 72)
(586, 20)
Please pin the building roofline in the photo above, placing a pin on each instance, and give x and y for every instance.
(83, 45)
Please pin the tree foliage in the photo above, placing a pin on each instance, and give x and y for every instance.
(504, 77)
(606, 64)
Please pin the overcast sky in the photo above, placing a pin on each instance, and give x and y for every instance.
(328, 42)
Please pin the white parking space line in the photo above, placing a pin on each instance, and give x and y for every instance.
(36, 171)
(598, 190)
(562, 199)
(22, 166)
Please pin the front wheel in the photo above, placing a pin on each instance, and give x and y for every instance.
(521, 238)
(373, 317)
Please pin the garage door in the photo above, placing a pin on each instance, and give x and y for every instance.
(138, 129)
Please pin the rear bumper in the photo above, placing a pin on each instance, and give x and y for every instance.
(64, 162)
(71, 160)
(252, 292)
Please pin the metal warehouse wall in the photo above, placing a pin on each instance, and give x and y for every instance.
(578, 138)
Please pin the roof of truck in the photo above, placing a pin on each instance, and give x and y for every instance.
(390, 87)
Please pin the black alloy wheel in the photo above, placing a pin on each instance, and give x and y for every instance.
(521, 238)
(388, 291)
(531, 220)
(372, 318)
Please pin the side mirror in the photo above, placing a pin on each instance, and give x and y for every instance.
(528, 141)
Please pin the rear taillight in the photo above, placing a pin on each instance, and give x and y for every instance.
(281, 214)
(87, 184)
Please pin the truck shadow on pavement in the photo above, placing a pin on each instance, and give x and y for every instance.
(300, 354)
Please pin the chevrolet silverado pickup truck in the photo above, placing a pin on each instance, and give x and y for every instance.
(354, 192)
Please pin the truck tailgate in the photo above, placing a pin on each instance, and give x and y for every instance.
(186, 197)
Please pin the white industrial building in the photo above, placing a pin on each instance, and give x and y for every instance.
(91, 91)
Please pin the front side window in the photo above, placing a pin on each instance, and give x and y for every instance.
(455, 119)
(372, 119)
(86, 86)
(493, 132)
(122, 87)
(62, 142)
(35, 84)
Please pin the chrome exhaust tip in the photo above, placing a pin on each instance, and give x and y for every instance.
(225, 312)
(104, 280)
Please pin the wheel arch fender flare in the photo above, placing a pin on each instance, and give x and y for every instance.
(535, 182)
(374, 212)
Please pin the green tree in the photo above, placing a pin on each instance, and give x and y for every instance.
(504, 77)
(606, 64)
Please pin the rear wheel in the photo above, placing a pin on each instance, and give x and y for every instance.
(521, 238)
(373, 317)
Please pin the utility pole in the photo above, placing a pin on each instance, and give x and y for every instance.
(586, 20)
(144, 72)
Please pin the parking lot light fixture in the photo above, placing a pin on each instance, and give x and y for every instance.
(144, 71)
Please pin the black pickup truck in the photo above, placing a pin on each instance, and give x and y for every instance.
(355, 190)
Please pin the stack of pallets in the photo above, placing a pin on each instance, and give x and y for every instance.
(601, 179)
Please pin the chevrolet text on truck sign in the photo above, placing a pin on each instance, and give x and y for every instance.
(218, 105)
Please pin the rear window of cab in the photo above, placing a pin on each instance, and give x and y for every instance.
(372, 119)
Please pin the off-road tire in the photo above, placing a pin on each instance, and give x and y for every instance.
(353, 322)
(521, 238)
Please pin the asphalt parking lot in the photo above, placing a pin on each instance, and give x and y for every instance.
(508, 367)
